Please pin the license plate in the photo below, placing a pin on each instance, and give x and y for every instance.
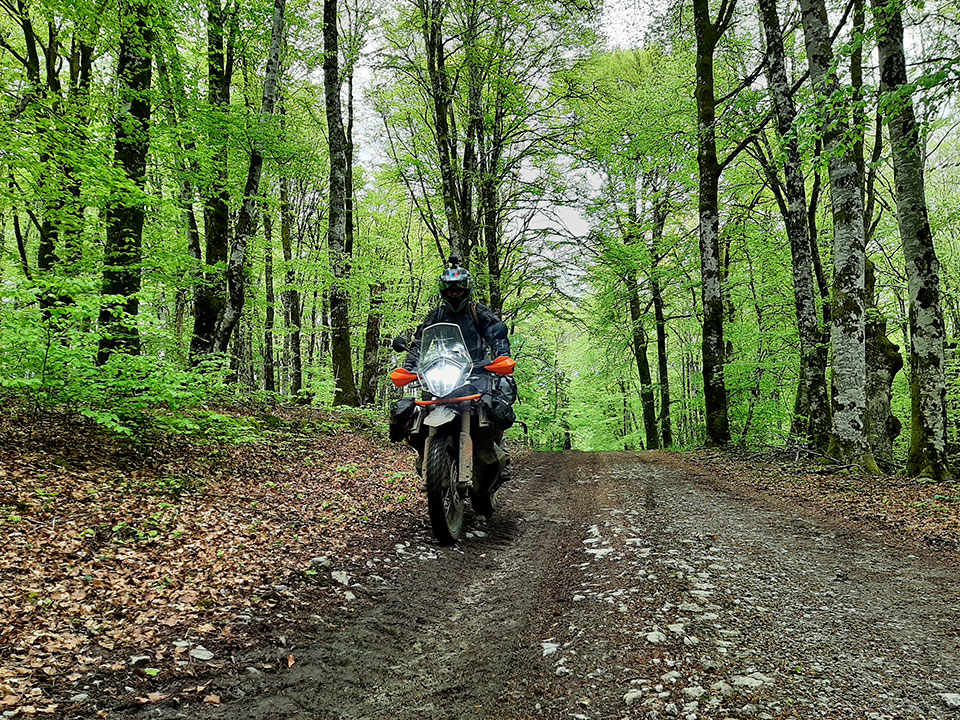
(440, 415)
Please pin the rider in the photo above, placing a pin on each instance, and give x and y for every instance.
(477, 323)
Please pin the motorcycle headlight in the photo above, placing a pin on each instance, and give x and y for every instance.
(443, 377)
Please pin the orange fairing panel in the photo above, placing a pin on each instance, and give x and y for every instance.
(402, 377)
(503, 365)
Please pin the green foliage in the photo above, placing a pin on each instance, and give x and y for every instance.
(563, 129)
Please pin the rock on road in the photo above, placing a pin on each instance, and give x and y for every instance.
(628, 586)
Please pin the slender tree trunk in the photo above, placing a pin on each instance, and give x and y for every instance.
(432, 15)
(849, 440)
(756, 390)
(928, 416)
(713, 350)
(61, 131)
(315, 331)
(371, 348)
(172, 87)
(123, 249)
(663, 374)
(291, 296)
(80, 77)
(823, 287)
(269, 365)
(349, 218)
(244, 334)
(638, 335)
(247, 220)
(346, 391)
(639, 342)
(883, 363)
(22, 247)
(491, 237)
(325, 339)
(813, 341)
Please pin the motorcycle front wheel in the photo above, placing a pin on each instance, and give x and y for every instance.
(444, 502)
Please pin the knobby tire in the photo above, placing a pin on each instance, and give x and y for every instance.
(440, 471)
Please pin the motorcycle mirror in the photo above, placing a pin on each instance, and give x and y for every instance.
(399, 344)
(499, 331)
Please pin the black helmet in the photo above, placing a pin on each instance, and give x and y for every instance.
(459, 277)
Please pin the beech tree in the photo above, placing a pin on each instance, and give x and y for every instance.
(849, 440)
(793, 201)
(708, 32)
(211, 296)
(125, 213)
(346, 391)
(928, 418)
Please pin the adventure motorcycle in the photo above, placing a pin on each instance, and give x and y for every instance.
(453, 425)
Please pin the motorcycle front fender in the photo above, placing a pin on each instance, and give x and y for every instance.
(441, 420)
(440, 415)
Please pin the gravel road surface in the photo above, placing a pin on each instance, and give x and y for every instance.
(627, 586)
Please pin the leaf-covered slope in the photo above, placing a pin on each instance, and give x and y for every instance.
(109, 551)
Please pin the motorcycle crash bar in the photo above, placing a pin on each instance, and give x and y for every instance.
(444, 401)
(402, 377)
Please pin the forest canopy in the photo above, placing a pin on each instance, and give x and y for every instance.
(709, 222)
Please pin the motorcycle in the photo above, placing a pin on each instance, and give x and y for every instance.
(452, 427)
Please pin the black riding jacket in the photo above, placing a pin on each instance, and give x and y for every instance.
(476, 334)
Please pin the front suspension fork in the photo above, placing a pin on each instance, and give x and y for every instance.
(466, 446)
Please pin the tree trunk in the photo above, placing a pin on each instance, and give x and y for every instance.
(432, 15)
(315, 331)
(211, 296)
(172, 88)
(125, 212)
(712, 347)
(22, 246)
(639, 341)
(346, 391)
(928, 418)
(269, 365)
(813, 342)
(247, 220)
(491, 237)
(849, 441)
(349, 218)
(883, 363)
(62, 120)
(371, 348)
(663, 375)
(244, 350)
(291, 296)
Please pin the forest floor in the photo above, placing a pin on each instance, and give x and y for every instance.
(293, 575)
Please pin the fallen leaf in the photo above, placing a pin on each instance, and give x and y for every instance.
(290, 661)
(157, 697)
(212, 699)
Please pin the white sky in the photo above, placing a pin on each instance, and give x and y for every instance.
(624, 21)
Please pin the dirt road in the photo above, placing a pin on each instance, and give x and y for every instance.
(625, 586)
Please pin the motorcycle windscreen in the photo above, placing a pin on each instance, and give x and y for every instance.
(445, 361)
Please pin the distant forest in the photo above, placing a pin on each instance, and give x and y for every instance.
(219, 201)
